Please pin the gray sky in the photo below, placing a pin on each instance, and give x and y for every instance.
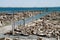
(29, 3)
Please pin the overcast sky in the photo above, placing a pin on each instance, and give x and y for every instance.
(29, 3)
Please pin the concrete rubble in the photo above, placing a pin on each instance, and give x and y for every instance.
(6, 18)
(49, 27)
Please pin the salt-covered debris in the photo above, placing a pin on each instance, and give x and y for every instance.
(42, 26)
(7, 18)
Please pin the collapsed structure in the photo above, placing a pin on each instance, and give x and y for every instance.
(32, 24)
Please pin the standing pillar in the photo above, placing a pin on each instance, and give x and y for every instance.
(13, 25)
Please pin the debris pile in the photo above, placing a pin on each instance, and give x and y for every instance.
(46, 25)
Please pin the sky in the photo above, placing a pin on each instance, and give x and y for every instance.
(29, 3)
